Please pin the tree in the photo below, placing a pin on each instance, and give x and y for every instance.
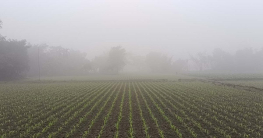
(88, 66)
(1, 24)
(99, 64)
(13, 59)
(116, 60)
(245, 61)
(111, 62)
(180, 65)
(56, 61)
(202, 61)
(1, 37)
(222, 61)
(159, 63)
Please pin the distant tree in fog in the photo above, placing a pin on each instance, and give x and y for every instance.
(13, 59)
(88, 66)
(259, 59)
(1, 37)
(1, 24)
(56, 61)
(222, 61)
(111, 62)
(155, 62)
(99, 63)
(136, 63)
(243, 61)
(158, 62)
(116, 60)
(202, 61)
(180, 65)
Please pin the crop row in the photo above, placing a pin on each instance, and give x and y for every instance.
(129, 109)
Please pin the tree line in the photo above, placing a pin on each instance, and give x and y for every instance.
(20, 59)
(242, 61)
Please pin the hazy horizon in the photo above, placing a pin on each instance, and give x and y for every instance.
(174, 27)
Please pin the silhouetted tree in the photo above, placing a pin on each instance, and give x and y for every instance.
(13, 59)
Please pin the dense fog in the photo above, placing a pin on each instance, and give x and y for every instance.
(72, 38)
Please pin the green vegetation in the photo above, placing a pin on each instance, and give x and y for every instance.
(113, 108)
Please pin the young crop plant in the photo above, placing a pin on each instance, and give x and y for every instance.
(162, 112)
(72, 107)
(157, 91)
(190, 113)
(88, 102)
(151, 114)
(69, 133)
(86, 133)
(145, 127)
(106, 118)
(117, 125)
(51, 116)
(131, 131)
(225, 119)
(86, 109)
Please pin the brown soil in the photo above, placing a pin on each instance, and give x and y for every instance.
(137, 122)
(94, 131)
(85, 123)
(152, 130)
(110, 129)
(124, 124)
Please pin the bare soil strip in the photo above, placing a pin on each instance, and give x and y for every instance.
(137, 121)
(124, 124)
(110, 128)
(94, 129)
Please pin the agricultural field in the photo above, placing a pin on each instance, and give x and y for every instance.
(129, 108)
(246, 80)
(248, 83)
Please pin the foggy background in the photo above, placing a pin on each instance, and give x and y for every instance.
(179, 34)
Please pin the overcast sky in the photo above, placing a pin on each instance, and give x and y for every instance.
(174, 27)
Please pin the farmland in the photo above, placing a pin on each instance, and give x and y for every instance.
(129, 108)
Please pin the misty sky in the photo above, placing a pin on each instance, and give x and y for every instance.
(174, 27)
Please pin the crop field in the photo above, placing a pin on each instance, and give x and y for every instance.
(129, 108)
(250, 83)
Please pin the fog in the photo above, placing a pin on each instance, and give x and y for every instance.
(155, 36)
